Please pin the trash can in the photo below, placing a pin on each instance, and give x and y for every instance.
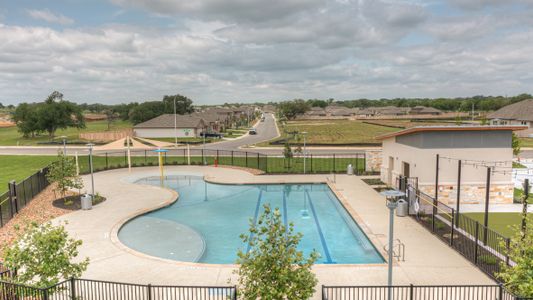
(401, 210)
(349, 169)
(86, 202)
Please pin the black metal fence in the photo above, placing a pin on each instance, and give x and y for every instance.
(412, 292)
(482, 246)
(270, 164)
(20, 194)
(78, 289)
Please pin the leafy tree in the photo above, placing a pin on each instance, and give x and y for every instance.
(43, 255)
(287, 150)
(111, 117)
(56, 113)
(274, 269)
(516, 144)
(317, 103)
(518, 279)
(146, 111)
(291, 109)
(1, 105)
(63, 172)
(27, 120)
(183, 104)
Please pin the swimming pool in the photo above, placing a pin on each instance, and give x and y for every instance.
(205, 223)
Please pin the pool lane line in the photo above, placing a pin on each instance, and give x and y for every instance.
(322, 239)
(256, 215)
(285, 209)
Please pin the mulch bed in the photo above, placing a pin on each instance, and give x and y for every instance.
(40, 210)
(73, 202)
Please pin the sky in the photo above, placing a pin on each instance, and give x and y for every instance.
(216, 51)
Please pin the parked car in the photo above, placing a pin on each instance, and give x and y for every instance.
(252, 131)
(212, 134)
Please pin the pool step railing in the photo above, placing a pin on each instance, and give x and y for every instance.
(398, 249)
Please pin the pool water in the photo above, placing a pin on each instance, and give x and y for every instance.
(206, 222)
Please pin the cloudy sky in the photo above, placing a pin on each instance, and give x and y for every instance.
(217, 51)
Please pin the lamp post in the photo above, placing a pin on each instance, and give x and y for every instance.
(203, 149)
(64, 138)
(305, 152)
(392, 203)
(175, 124)
(91, 167)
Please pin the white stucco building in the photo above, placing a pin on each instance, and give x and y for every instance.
(412, 152)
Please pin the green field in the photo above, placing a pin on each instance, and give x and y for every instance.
(335, 132)
(526, 142)
(18, 167)
(502, 222)
(9, 136)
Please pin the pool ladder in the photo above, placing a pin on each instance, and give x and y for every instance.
(398, 249)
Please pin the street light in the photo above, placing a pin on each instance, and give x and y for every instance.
(392, 202)
(175, 124)
(203, 150)
(64, 138)
(305, 153)
(91, 168)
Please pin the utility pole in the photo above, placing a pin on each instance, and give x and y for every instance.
(175, 124)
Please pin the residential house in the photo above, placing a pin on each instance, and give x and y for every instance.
(520, 113)
(424, 110)
(170, 125)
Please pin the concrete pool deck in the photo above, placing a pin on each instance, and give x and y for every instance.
(428, 260)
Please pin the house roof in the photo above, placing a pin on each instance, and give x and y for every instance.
(342, 111)
(425, 109)
(209, 116)
(521, 111)
(167, 121)
(450, 128)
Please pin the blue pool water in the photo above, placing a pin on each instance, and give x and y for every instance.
(204, 225)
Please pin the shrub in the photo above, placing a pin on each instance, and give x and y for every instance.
(274, 268)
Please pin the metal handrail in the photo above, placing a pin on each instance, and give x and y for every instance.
(401, 249)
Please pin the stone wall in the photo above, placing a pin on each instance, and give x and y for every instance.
(471, 193)
(373, 160)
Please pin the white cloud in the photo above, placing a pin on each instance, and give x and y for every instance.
(50, 17)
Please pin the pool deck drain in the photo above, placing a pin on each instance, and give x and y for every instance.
(428, 260)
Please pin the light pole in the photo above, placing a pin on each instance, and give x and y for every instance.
(175, 124)
(64, 138)
(203, 149)
(305, 153)
(392, 203)
(91, 168)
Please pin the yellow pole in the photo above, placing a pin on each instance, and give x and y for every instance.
(188, 154)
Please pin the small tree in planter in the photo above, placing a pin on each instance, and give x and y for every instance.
(63, 173)
(518, 279)
(43, 255)
(274, 269)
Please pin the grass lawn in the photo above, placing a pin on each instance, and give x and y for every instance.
(10, 136)
(518, 194)
(501, 222)
(526, 142)
(233, 133)
(195, 140)
(335, 131)
(18, 167)
(517, 165)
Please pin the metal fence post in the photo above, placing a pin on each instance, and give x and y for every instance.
(500, 291)
(266, 163)
(203, 160)
(477, 241)
(149, 291)
(145, 156)
(45, 294)
(257, 160)
(411, 292)
(12, 197)
(106, 161)
(452, 226)
(232, 163)
(334, 166)
(73, 288)
(508, 246)
(436, 200)
(125, 157)
(311, 162)
(246, 159)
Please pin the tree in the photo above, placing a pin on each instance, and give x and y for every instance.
(516, 144)
(287, 150)
(518, 278)
(27, 120)
(63, 172)
(56, 114)
(111, 117)
(291, 109)
(274, 269)
(43, 255)
(146, 111)
(183, 104)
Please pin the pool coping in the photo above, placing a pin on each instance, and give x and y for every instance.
(175, 197)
